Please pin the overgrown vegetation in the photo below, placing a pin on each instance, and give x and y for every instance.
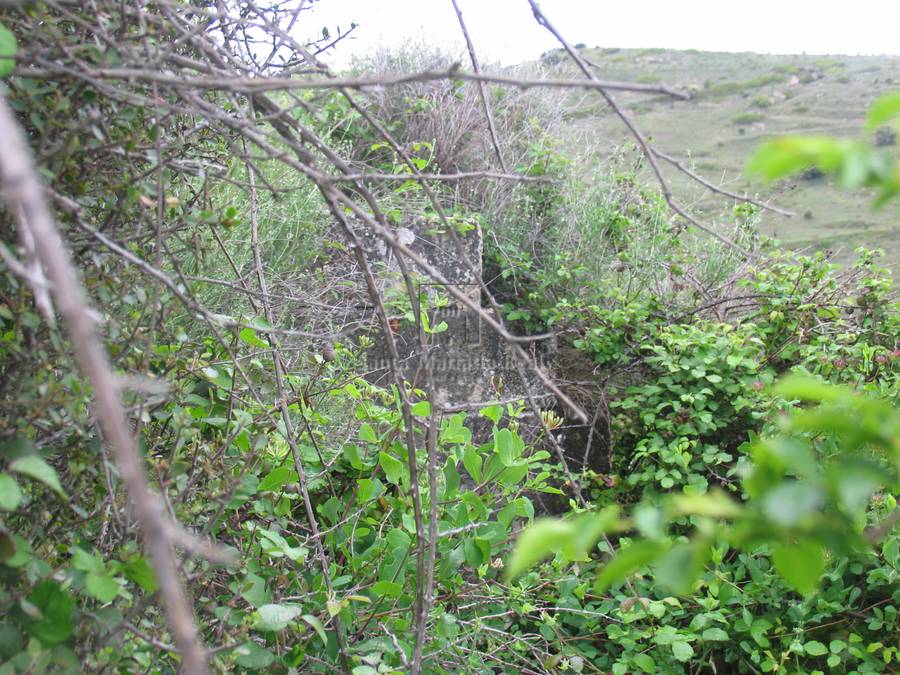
(713, 515)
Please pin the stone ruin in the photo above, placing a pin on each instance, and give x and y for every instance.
(472, 365)
(470, 362)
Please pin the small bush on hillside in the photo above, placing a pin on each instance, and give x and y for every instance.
(748, 118)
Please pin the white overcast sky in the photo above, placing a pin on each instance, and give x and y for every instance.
(505, 31)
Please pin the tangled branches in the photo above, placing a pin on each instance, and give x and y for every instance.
(158, 128)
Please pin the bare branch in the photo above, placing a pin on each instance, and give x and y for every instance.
(25, 193)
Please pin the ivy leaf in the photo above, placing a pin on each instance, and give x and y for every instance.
(368, 488)
(253, 590)
(758, 631)
(36, 468)
(800, 564)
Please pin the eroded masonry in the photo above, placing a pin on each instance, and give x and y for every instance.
(470, 361)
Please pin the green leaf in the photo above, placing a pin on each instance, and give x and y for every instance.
(505, 446)
(367, 433)
(317, 626)
(680, 566)
(790, 503)
(645, 662)
(626, 561)
(715, 635)
(253, 589)
(86, 562)
(473, 553)
(249, 336)
(7, 51)
(472, 461)
(806, 388)
(36, 468)
(883, 110)
(492, 412)
(682, 651)
(276, 478)
(815, 648)
(10, 494)
(273, 618)
(140, 572)
(260, 323)
(800, 564)
(714, 504)
(784, 156)
(758, 631)
(451, 479)
(276, 546)
(421, 409)
(52, 621)
(393, 467)
(101, 586)
(368, 488)
(387, 588)
(253, 657)
(21, 549)
(537, 541)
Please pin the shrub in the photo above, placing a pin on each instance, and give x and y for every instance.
(748, 118)
(885, 137)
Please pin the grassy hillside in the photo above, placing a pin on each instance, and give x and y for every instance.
(738, 101)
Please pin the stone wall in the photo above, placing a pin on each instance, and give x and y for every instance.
(470, 361)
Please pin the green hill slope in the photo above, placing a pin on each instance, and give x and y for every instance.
(739, 100)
